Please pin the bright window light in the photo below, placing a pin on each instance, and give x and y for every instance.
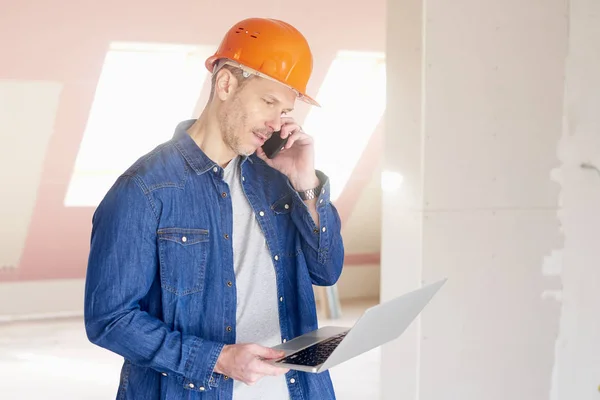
(353, 101)
(144, 90)
(391, 181)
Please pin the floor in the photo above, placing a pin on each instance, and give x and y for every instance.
(53, 360)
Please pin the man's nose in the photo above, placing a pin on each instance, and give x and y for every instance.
(275, 124)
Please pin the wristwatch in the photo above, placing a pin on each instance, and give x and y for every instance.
(310, 193)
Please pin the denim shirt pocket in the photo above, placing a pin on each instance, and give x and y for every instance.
(282, 209)
(283, 205)
(183, 256)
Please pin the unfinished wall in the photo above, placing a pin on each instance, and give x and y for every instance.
(477, 92)
(577, 368)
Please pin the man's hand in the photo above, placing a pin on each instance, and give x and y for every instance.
(297, 159)
(244, 362)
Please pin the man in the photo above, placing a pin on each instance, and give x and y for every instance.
(204, 252)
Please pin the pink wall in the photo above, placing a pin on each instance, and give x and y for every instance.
(45, 40)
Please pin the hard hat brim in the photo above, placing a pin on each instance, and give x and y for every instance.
(211, 62)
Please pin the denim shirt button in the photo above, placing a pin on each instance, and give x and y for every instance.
(292, 380)
(201, 388)
(191, 385)
(276, 258)
(216, 169)
(164, 374)
(262, 213)
(184, 239)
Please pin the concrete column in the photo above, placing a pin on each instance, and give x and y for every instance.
(402, 226)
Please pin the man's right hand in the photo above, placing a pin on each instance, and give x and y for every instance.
(244, 362)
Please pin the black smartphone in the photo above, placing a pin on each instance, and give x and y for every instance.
(274, 144)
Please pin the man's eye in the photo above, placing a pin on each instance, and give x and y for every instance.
(268, 102)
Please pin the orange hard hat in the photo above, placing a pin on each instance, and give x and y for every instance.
(269, 48)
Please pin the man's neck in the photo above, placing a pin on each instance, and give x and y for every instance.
(207, 134)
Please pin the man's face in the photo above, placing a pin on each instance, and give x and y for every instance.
(251, 114)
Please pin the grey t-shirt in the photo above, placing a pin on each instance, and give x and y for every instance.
(257, 315)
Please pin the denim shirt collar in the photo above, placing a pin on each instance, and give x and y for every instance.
(192, 153)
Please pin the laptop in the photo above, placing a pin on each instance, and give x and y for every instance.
(319, 350)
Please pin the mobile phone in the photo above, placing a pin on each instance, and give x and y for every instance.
(274, 144)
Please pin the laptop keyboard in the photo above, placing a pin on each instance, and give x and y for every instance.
(315, 354)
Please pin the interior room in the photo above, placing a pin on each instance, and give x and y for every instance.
(431, 115)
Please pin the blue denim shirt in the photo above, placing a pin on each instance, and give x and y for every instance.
(160, 286)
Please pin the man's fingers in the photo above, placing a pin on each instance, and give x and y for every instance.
(263, 370)
(289, 128)
(267, 352)
(298, 136)
(288, 121)
(267, 369)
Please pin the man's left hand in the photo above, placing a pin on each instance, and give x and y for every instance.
(297, 159)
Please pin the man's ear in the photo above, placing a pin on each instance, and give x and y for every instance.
(225, 85)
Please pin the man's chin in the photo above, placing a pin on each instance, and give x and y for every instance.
(246, 152)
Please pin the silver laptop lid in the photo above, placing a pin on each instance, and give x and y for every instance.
(382, 323)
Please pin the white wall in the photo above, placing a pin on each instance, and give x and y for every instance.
(478, 93)
(577, 368)
(41, 299)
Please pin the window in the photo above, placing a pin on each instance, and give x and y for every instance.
(353, 101)
(144, 90)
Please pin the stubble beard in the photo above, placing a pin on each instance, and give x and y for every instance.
(233, 122)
